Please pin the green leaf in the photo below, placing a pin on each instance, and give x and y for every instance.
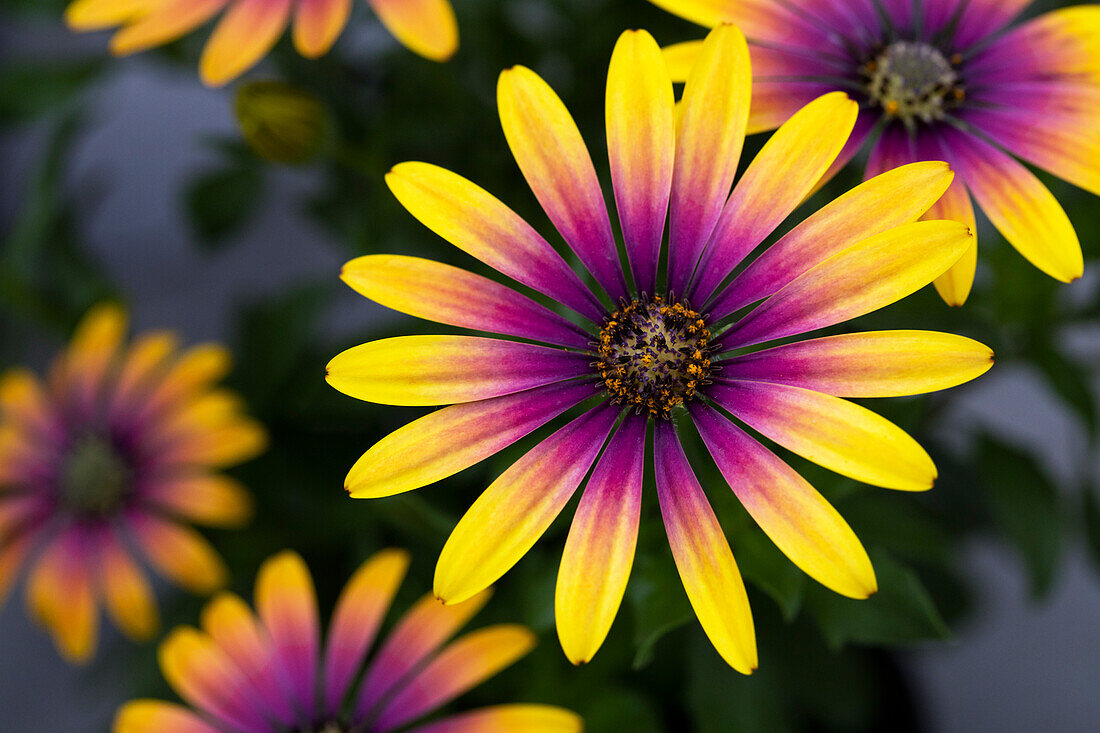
(1072, 383)
(721, 699)
(901, 611)
(621, 710)
(658, 601)
(898, 522)
(1024, 506)
(273, 341)
(1092, 523)
(29, 89)
(219, 203)
(415, 517)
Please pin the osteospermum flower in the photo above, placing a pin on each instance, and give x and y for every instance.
(266, 673)
(946, 80)
(685, 348)
(117, 449)
(250, 28)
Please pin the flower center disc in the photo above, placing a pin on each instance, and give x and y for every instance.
(913, 81)
(94, 477)
(654, 355)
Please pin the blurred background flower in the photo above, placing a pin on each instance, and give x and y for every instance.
(126, 179)
(249, 29)
(116, 449)
(940, 79)
(251, 673)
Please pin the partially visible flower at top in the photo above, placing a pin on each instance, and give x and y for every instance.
(281, 122)
(266, 673)
(251, 28)
(686, 345)
(113, 451)
(939, 80)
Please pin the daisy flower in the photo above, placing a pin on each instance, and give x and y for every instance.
(114, 452)
(250, 28)
(684, 352)
(950, 80)
(266, 673)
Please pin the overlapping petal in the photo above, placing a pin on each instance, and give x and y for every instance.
(287, 604)
(835, 433)
(796, 518)
(446, 441)
(450, 295)
(603, 535)
(239, 635)
(358, 615)
(167, 22)
(641, 146)
(886, 201)
(426, 627)
(784, 172)
(476, 222)
(465, 663)
(200, 673)
(550, 152)
(439, 370)
(863, 278)
(710, 132)
(703, 557)
(126, 590)
(509, 517)
(869, 364)
(1018, 204)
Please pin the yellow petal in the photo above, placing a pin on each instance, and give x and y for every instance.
(447, 441)
(798, 520)
(834, 433)
(599, 551)
(425, 27)
(248, 31)
(680, 58)
(440, 370)
(703, 557)
(710, 132)
(511, 515)
(779, 178)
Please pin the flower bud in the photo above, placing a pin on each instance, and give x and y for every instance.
(280, 122)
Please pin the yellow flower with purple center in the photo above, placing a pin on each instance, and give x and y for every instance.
(117, 449)
(689, 348)
(265, 672)
(950, 80)
(249, 29)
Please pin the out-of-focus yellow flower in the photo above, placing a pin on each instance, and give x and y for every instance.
(249, 29)
(114, 450)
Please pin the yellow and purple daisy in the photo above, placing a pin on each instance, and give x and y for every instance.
(686, 348)
(114, 451)
(250, 28)
(950, 80)
(266, 672)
